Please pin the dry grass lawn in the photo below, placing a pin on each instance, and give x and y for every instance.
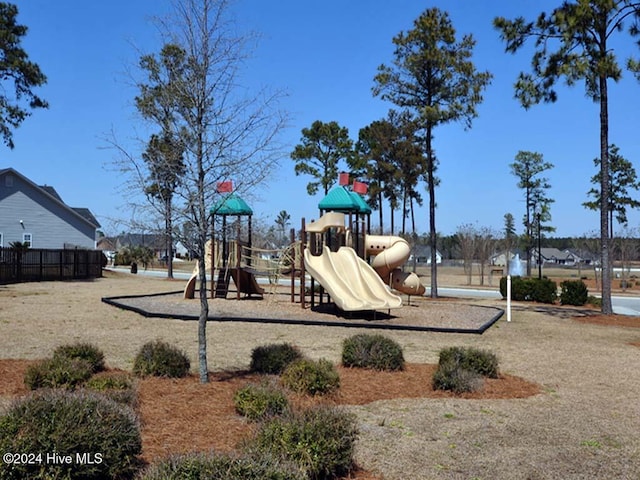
(582, 423)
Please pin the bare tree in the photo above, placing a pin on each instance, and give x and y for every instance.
(225, 132)
(466, 236)
(485, 246)
(626, 248)
(590, 242)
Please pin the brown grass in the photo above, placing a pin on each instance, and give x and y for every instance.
(565, 407)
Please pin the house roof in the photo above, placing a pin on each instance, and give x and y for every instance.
(151, 240)
(422, 251)
(582, 254)
(554, 253)
(51, 192)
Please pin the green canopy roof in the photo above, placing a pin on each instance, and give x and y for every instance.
(339, 199)
(231, 205)
(362, 205)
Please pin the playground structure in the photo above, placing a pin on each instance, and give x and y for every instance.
(235, 259)
(333, 250)
(241, 263)
(352, 282)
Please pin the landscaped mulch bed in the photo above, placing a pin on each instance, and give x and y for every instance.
(183, 415)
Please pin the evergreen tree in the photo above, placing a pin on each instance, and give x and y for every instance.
(574, 42)
(432, 77)
(18, 75)
(527, 168)
(622, 177)
(322, 148)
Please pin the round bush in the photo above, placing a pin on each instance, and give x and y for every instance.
(530, 289)
(221, 467)
(160, 359)
(311, 377)
(452, 376)
(372, 351)
(273, 358)
(573, 292)
(118, 386)
(482, 362)
(101, 437)
(58, 372)
(320, 441)
(84, 351)
(257, 402)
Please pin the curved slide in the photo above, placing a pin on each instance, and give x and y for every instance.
(391, 252)
(352, 283)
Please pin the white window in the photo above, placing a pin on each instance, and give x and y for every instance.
(1, 240)
(27, 239)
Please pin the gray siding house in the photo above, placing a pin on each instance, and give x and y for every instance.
(37, 215)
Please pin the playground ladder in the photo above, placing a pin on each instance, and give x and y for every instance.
(222, 284)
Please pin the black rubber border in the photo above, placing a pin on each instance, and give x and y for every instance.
(348, 324)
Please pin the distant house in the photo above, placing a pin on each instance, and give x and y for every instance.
(583, 256)
(157, 243)
(422, 254)
(499, 259)
(37, 216)
(554, 256)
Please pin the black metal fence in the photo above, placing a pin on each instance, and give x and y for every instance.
(38, 264)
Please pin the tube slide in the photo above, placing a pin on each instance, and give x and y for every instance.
(351, 282)
(391, 252)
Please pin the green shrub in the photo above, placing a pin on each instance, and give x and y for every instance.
(482, 362)
(118, 386)
(372, 351)
(221, 467)
(311, 377)
(320, 441)
(257, 402)
(520, 290)
(530, 289)
(595, 301)
(573, 292)
(58, 372)
(273, 358)
(452, 376)
(101, 436)
(139, 254)
(85, 351)
(160, 359)
(544, 290)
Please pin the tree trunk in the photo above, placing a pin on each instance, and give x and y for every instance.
(413, 221)
(202, 321)
(607, 308)
(380, 211)
(432, 215)
(404, 210)
(169, 235)
(392, 218)
(203, 232)
(529, 230)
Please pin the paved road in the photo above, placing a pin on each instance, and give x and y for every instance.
(623, 305)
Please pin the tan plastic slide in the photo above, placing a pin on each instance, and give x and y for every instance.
(352, 283)
(391, 252)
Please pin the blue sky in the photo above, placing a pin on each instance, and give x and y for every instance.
(324, 55)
